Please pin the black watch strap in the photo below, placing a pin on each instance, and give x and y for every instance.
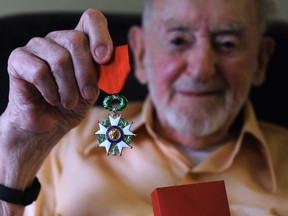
(20, 197)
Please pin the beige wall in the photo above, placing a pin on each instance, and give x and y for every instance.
(282, 9)
(8, 7)
(122, 6)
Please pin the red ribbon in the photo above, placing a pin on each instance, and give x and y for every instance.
(112, 76)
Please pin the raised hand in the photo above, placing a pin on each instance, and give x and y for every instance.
(53, 83)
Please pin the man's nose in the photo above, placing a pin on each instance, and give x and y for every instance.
(202, 60)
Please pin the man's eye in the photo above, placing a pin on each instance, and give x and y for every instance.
(178, 41)
(228, 45)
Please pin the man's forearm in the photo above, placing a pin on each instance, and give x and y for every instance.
(14, 171)
(21, 155)
(7, 209)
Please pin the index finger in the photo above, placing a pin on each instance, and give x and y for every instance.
(94, 24)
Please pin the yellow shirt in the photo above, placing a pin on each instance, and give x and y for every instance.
(78, 179)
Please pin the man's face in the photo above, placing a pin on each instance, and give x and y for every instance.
(200, 58)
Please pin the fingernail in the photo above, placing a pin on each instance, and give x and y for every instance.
(101, 52)
(90, 92)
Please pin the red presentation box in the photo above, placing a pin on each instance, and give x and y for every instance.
(199, 199)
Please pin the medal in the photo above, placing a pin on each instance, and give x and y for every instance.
(114, 132)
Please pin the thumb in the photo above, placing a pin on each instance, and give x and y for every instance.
(94, 24)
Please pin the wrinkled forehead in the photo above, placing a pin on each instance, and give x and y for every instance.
(151, 2)
(197, 11)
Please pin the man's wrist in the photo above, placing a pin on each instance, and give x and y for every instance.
(20, 197)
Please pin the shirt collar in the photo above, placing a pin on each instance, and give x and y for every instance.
(250, 128)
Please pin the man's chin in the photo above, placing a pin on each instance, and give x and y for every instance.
(196, 123)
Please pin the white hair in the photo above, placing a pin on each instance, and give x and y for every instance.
(266, 12)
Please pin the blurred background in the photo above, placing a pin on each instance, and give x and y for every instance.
(282, 7)
(10, 7)
(15, 33)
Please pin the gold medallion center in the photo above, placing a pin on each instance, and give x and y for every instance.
(114, 134)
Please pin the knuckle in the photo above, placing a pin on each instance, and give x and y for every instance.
(74, 42)
(77, 39)
(39, 73)
(69, 39)
(61, 58)
(17, 58)
(34, 41)
(14, 54)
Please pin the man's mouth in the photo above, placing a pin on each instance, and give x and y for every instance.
(193, 93)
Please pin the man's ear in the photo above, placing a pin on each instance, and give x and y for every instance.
(136, 42)
(266, 50)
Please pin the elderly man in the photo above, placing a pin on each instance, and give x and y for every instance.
(199, 59)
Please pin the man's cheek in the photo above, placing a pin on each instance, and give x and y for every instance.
(168, 69)
(239, 72)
